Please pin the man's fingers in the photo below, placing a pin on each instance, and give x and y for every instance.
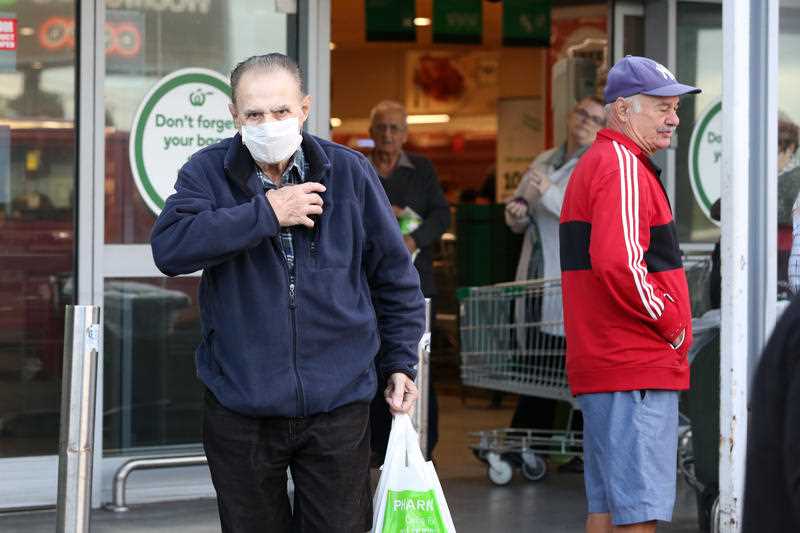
(313, 210)
(305, 221)
(315, 199)
(410, 397)
(312, 186)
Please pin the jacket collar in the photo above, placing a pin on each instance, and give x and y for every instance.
(240, 165)
(608, 134)
(403, 161)
(614, 135)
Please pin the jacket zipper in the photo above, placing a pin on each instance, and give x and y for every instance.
(292, 306)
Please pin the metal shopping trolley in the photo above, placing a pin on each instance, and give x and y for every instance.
(512, 340)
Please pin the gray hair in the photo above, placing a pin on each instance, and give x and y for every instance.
(271, 62)
(634, 101)
(388, 106)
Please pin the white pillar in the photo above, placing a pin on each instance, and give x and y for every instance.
(749, 190)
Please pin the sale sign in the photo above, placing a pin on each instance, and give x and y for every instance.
(8, 34)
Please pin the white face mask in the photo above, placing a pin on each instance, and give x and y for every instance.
(272, 142)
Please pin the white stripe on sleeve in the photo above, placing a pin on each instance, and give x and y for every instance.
(626, 201)
(638, 252)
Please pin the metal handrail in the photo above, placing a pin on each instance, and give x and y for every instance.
(146, 463)
(420, 414)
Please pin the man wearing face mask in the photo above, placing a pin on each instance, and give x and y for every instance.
(627, 314)
(305, 275)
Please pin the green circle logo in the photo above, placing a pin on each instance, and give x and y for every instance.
(705, 158)
(184, 112)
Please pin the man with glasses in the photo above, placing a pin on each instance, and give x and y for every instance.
(413, 189)
(534, 209)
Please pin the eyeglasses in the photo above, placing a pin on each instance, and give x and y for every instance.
(586, 116)
(394, 129)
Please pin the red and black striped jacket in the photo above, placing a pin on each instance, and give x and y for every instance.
(623, 283)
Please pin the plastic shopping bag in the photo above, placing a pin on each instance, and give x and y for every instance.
(409, 497)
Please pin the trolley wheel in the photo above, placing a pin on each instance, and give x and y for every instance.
(535, 470)
(500, 472)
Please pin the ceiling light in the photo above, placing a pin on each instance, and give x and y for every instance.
(428, 119)
(365, 143)
(26, 31)
(422, 21)
(336, 122)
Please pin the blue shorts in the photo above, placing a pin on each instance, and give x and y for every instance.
(630, 447)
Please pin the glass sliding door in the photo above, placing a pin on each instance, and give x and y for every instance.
(37, 263)
(166, 96)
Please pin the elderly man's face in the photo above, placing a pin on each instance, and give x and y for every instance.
(654, 125)
(268, 96)
(389, 131)
(585, 121)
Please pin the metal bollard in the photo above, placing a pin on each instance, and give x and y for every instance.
(420, 417)
(79, 385)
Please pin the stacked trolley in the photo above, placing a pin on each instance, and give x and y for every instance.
(512, 340)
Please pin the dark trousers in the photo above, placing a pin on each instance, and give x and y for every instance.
(328, 455)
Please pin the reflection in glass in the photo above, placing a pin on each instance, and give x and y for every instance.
(151, 394)
(37, 183)
(151, 42)
(699, 63)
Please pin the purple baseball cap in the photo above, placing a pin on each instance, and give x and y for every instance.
(641, 75)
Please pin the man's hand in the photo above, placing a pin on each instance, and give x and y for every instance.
(411, 244)
(400, 393)
(293, 204)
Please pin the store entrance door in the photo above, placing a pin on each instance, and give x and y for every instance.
(165, 98)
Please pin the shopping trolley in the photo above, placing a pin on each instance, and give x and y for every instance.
(512, 340)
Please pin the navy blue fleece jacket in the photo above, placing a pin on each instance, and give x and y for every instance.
(264, 351)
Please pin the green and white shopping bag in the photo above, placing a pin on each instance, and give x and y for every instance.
(409, 497)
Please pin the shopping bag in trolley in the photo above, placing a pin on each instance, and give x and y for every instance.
(409, 497)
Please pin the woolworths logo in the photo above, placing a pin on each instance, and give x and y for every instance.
(184, 112)
(197, 98)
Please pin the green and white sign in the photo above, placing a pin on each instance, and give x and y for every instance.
(705, 158)
(457, 21)
(526, 23)
(184, 112)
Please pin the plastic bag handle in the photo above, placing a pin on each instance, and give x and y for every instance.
(396, 445)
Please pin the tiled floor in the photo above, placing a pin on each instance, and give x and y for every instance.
(554, 505)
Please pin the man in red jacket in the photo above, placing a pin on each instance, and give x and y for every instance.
(626, 305)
